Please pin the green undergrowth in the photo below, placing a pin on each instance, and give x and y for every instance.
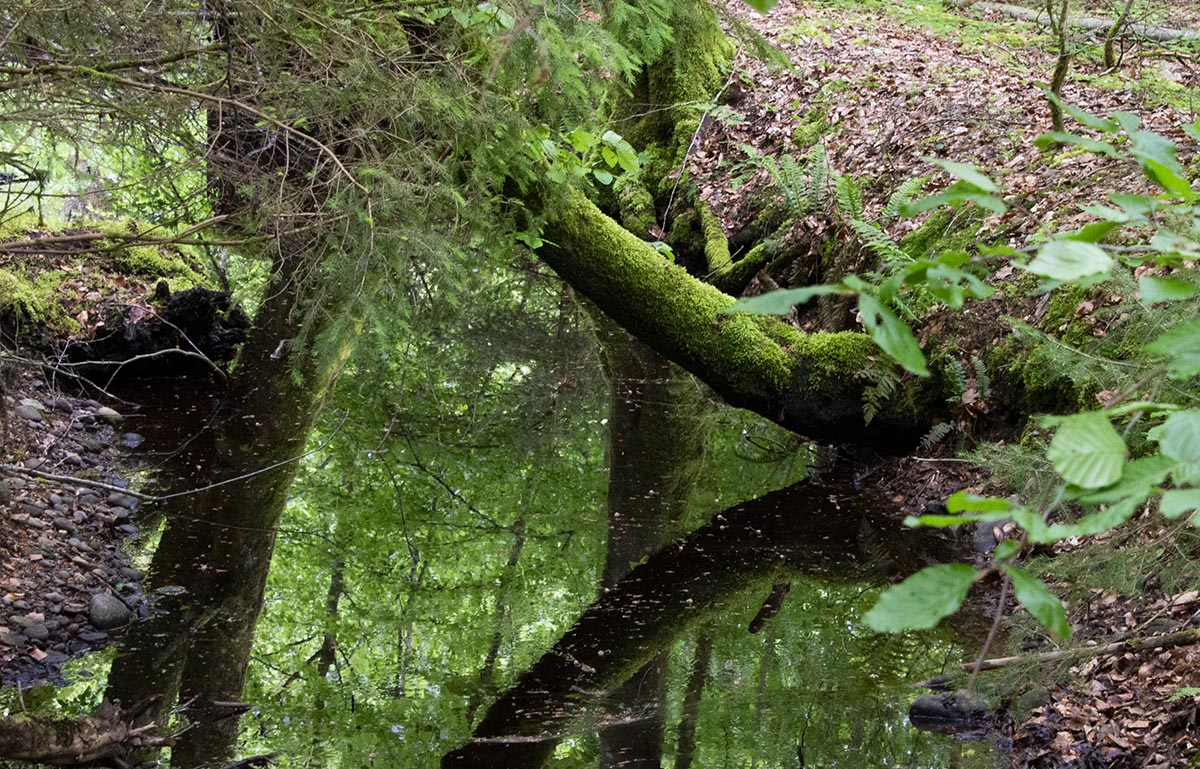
(1154, 89)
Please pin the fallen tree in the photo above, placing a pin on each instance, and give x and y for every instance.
(1155, 32)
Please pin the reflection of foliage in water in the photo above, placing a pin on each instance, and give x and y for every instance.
(816, 679)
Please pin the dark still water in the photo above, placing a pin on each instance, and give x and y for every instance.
(554, 572)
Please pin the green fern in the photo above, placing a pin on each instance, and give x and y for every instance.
(959, 375)
(849, 198)
(879, 242)
(983, 380)
(817, 169)
(884, 382)
(936, 435)
(901, 197)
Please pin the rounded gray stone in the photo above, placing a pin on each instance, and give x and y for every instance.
(122, 500)
(109, 416)
(27, 413)
(15, 640)
(37, 632)
(130, 440)
(106, 612)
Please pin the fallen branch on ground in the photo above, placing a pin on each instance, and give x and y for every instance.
(1154, 32)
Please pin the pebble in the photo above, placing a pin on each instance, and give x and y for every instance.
(109, 416)
(79, 544)
(66, 524)
(62, 404)
(5, 491)
(128, 529)
(27, 413)
(32, 508)
(90, 498)
(130, 440)
(54, 597)
(106, 612)
(37, 632)
(92, 637)
(15, 640)
(54, 658)
(35, 463)
(33, 403)
(122, 500)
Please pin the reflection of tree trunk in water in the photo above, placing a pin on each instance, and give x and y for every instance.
(691, 699)
(329, 644)
(655, 443)
(810, 528)
(218, 542)
(487, 673)
(766, 662)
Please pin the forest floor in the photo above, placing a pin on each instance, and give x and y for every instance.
(883, 86)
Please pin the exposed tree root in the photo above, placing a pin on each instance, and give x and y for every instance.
(104, 737)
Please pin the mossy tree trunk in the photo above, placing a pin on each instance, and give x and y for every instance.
(806, 382)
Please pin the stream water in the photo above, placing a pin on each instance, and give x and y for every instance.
(605, 614)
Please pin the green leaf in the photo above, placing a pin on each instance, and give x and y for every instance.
(1157, 155)
(1182, 345)
(1070, 260)
(1177, 502)
(1128, 121)
(1087, 118)
(1040, 602)
(962, 502)
(762, 6)
(1054, 137)
(892, 335)
(581, 140)
(1179, 436)
(782, 301)
(922, 600)
(956, 193)
(1087, 451)
(1138, 479)
(1167, 242)
(1187, 691)
(1168, 289)
(946, 521)
(965, 171)
(1092, 233)
(1006, 549)
(604, 177)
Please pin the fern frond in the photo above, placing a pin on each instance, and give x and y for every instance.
(959, 375)
(936, 434)
(791, 180)
(885, 380)
(849, 197)
(817, 169)
(983, 380)
(901, 197)
(879, 242)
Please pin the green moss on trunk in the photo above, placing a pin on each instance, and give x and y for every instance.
(807, 383)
